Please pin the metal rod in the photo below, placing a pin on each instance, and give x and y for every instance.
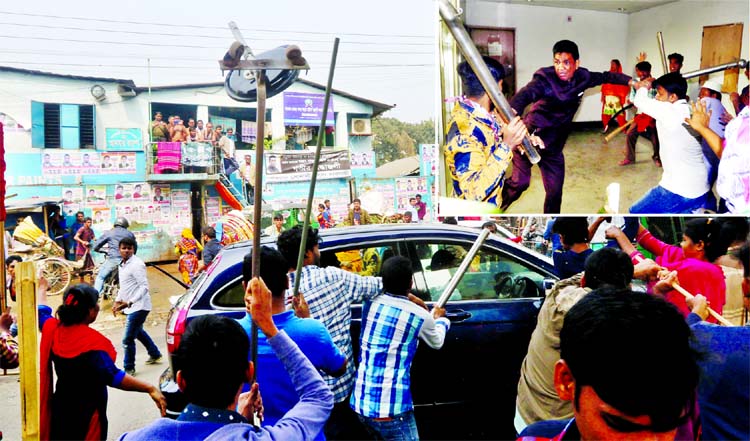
(260, 118)
(462, 268)
(474, 58)
(662, 52)
(314, 177)
(707, 70)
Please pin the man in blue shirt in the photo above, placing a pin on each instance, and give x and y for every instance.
(392, 324)
(210, 249)
(309, 334)
(211, 366)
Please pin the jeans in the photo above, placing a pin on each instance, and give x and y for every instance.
(660, 200)
(134, 330)
(399, 427)
(106, 269)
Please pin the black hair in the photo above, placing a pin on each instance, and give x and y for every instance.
(469, 80)
(733, 229)
(397, 273)
(672, 82)
(572, 230)
(127, 241)
(608, 267)
(442, 259)
(407, 212)
(289, 242)
(273, 268)
(278, 216)
(76, 304)
(356, 200)
(644, 66)
(676, 56)
(617, 62)
(566, 46)
(707, 231)
(322, 206)
(450, 220)
(209, 231)
(87, 218)
(13, 258)
(612, 339)
(212, 359)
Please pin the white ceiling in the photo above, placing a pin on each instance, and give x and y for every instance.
(622, 6)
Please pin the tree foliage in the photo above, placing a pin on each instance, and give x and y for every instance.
(394, 139)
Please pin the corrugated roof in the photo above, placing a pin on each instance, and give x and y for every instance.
(400, 167)
(122, 81)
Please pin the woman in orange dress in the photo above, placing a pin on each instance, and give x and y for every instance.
(614, 97)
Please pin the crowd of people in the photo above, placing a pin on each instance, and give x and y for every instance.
(708, 155)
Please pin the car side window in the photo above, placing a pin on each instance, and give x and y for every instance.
(232, 296)
(361, 261)
(491, 274)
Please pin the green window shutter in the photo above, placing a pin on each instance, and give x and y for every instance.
(70, 131)
(37, 124)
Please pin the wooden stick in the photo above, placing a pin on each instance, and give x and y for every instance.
(689, 296)
(713, 313)
(618, 130)
(26, 284)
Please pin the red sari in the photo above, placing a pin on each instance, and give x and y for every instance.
(77, 342)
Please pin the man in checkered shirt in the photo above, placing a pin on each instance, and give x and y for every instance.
(392, 324)
(329, 293)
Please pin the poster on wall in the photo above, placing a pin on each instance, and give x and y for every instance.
(427, 162)
(407, 188)
(385, 188)
(87, 163)
(213, 209)
(161, 194)
(96, 195)
(361, 160)
(72, 198)
(101, 217)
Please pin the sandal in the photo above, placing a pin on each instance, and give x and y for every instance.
(626, 161)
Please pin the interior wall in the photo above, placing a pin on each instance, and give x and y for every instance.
(601, 36)
(681, 24)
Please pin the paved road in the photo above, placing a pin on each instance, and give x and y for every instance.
(126, 410)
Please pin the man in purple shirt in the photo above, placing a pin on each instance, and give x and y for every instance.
(211, 365)
(555, 93)
(421, 207)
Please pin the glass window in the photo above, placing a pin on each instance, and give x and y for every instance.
(491, 274)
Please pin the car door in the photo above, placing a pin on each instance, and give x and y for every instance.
(493, 311)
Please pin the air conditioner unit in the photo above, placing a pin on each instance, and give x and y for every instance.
(361, 126)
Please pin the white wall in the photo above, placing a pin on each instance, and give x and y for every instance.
(681, 24)
(601, 36)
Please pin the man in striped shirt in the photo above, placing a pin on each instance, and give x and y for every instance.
(392, 324)
(329, 293)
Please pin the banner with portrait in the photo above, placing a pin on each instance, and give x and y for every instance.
(288, 166)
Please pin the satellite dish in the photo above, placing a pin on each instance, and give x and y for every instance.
(242, 86)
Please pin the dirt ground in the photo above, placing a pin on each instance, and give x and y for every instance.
(591, 164)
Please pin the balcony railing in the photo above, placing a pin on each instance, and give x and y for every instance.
(183, 161)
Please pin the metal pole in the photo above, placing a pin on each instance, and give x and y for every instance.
(662, 52)
(462, 268)
(314, 177)
(707, 70)
(260, 78)
(474, 58)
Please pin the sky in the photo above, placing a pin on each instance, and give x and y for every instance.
(386, 50)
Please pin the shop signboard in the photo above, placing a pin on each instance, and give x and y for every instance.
(306, 109)
(124, 140)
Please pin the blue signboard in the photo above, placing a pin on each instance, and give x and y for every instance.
(124, 140)
(306, 109)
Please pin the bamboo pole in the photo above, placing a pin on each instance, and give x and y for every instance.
(617, 131)
(713, 313)
(29, 354)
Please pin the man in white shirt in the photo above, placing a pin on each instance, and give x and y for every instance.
(275, 229)
(248, 177)
(134, 300)
(684, 182)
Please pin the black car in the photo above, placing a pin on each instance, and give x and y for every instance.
(467, 389)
